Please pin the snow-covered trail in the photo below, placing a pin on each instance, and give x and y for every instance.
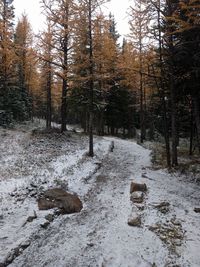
(100, 235)
(29, 164)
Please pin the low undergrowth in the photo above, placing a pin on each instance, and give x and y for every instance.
(188, 165)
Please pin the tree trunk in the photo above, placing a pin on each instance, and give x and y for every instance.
(142, 133)
(197, 118)
(49, 105)
(64, 106)
(142, 126)
(162, 91)
(191, 131)
(91, 89)
(173, 124)
(100, 123)
(65, 47)
(166, 133)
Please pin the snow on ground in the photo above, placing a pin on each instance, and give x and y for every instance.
(28, 165)
(99, 235)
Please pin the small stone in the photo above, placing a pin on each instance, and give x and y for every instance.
(144, 175)
(178, 243)
(137, 197)
(171, 234)
(33, 185)
(135, 221)
(90, 245)
(30, 218)
(140, 207)
(49, 217)
(197, 210)
(176, 222)
(163, 207)
(33, 194)
(25, 244)
(45, 224)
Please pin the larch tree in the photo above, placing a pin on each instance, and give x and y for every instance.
(158, 69)
(87, 13)
(139, 21)
(46, 59)
(106, 53)
(25, 61)
(61, 14)
(81, 67)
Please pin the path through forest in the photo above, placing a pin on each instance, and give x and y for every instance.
(100, 236)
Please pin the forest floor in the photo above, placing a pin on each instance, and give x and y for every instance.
(31, 161)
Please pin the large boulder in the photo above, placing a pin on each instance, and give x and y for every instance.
(58, 198)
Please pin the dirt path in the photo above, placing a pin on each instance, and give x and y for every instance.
(83, 239)
(100, 235)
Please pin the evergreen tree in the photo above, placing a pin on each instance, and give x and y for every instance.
(13, 98)
(7, 56)
(187, 59)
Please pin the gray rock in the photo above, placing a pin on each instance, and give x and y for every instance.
(135, 220)
(140, 207)
(197, 210)
(137, 197)
(163, 207)
(30, 218)
(49, 217)
(25, 244)
(45, 224)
